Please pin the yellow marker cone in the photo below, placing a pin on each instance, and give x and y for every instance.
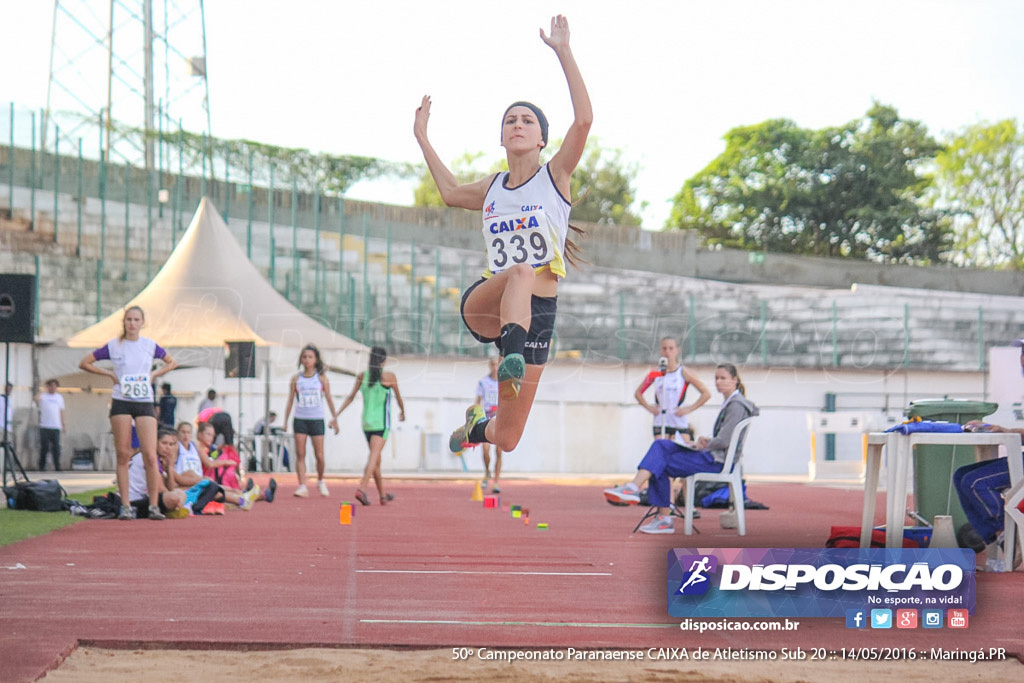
(478, 494)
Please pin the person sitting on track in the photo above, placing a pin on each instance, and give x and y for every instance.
(138, 493)
(183, 469)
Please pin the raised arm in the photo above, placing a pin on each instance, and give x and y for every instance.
(468, 196)
(568, 156)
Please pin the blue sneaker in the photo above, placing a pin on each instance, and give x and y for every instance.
(510, 376)
(271, 490)
(460, 437)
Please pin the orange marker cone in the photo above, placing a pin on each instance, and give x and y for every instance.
(478, 494)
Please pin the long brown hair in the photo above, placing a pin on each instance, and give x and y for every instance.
(316, 353)
(731, 369)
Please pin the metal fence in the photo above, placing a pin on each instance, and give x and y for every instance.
(393, 276)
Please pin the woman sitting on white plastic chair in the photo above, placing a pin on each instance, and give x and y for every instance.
(666, 459)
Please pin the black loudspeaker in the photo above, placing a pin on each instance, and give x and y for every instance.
(241, 360)
(17, 308)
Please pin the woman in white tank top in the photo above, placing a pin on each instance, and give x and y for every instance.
(309, 390)
(132, 401)
(525, 222)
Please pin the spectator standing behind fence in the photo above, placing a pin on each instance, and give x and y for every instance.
(51, 424)
(166, 406)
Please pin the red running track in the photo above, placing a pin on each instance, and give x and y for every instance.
(430, 569)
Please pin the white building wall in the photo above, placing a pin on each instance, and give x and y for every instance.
(584, 421)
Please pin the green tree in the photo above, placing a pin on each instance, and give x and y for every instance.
(846, 191)
(327, 173)
(466, 169)
(980, 178)
(602, 187)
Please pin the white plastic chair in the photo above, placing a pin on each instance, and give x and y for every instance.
(1013, 522)
(732, 474)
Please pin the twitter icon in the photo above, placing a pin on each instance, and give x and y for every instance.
(881, 618)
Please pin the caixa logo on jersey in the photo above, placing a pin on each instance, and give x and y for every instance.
(805, 582)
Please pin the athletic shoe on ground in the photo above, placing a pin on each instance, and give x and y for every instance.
(249, 484)
(127, 512)
(510, 376)
(179, 513)
(361, 497)
(967, 537)
(460, 437)
(249, 498)
(77, 510)
(271, 490)
(302, 491)
(322, 486)
(484, 483)
(495, 490)
(662, 524)
(387, 498)
(623, 494)
(213, 508)
(154, 512)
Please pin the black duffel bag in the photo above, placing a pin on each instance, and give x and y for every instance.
(44, 495)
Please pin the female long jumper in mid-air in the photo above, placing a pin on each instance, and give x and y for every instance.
(525, 228)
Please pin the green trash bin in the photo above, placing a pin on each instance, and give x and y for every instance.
(934, 465)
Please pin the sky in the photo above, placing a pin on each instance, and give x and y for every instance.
(667, 79)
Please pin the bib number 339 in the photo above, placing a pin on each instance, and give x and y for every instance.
(136, 387)
(517, 239)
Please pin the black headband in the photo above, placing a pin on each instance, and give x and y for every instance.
(541, 119)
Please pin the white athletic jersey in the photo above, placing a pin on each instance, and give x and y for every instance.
(50, 408)
(309, 397)
(675, 391)
(188, 459)
(487, 392)
(526, 224)
(133, 361)
(137, 478)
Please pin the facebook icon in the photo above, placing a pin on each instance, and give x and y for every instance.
(856, 618)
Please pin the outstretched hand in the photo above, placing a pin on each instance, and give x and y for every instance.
(559, 37)
(419, 128)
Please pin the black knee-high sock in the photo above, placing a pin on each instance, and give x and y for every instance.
(513, 339)
(476, 435)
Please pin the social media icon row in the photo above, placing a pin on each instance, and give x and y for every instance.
(905, 618)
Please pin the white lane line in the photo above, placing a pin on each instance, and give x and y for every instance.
(459, 571)
(454, 622)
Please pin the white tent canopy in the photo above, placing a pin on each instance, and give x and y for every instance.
(209, 293)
